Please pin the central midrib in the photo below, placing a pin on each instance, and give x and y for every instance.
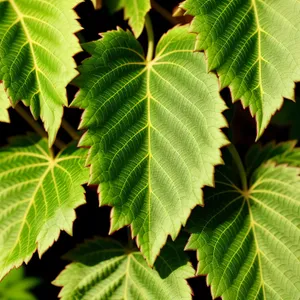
(148, 94)
(258, 46)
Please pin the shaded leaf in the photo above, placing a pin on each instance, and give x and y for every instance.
(154, 131)
(37, 45)
(254, 47)
(104, 269)
(135, 11)
(38, 195)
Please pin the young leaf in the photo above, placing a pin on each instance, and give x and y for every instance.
(4, 105)
(104, 269)
(254, 47)
(36, 49)
(38, 195)
(248, 241)
(16, 286)
(154, 131)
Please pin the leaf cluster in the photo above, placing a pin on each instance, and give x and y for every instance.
(151, 138)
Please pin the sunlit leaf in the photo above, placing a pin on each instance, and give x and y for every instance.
(37, 45)
(254, 46)
(134, 11)
(38, 195)
(154, 131)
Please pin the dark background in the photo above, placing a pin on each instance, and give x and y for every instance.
(94, 221)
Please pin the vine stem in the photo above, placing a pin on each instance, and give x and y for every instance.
(35, 126)
(237, 159)
(70, 130)
(150, 33)
(165, 13)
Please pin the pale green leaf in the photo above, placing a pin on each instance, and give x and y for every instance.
(254, 46)
(38, 195)
(134, 11)
(248, 241)
(16, 286)
(4, 105)
(154, 131)
(104, 269)
(37, 45)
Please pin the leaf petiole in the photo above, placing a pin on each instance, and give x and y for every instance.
(70, 130)
(149, 29)
(237, 159)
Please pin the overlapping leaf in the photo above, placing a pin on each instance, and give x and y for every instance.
(248, 241)
(38, 195)
(254, 46)
(36, 49)
(16, 286)
(104, 269)
(154, 131)
(4, 105)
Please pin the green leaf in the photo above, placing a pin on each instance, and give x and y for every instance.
(248, 241)
(4, 105)
(254, 46)
(105, 270)
(154, 131)
(38, 195)
(16, 286)
(37, 45)
(134, 11)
